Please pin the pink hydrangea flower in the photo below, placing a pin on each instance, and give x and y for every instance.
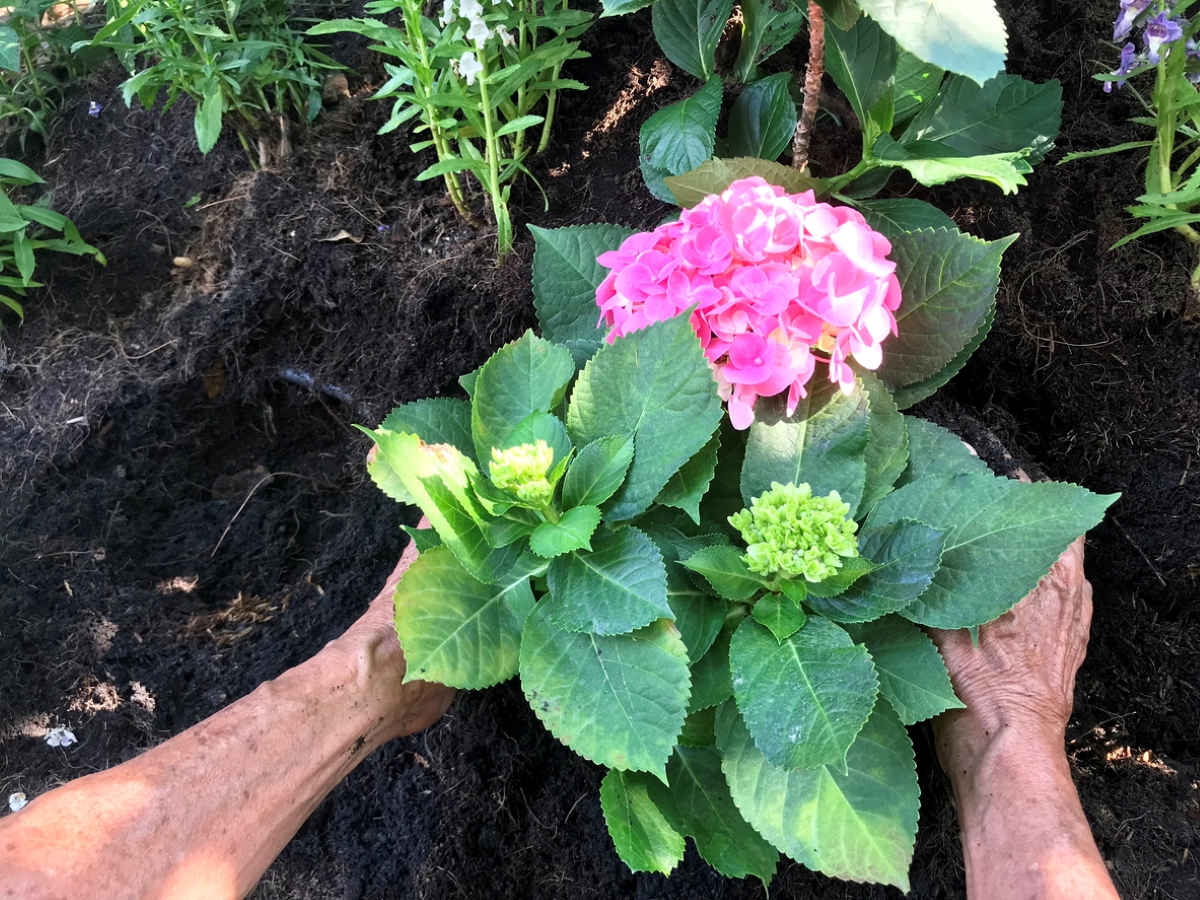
(780, 283)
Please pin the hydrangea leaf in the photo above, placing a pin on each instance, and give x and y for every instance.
(619, 701)
(436, 420)
(455, 629)
(762, 119)
(859, 825)
(964, 36)
(783, 617)
(1003, 536)
(893, 217)
(948, 280)
(906, 554)
(861, 60)
(622, 7)
(539, 426)
(688, 31)
(711, 682)
(1003, 115)
(915, 393)
(656, 385)
(565, 277)
(767, 27)
(937, 451)
(843, 579)
(641, 834)
(912, 674)
(617, 586)
(681, 136)
(886, 454)
(804, 698)
(723, 567)
(572, 532)
(438, 478)
(10, 49)
(713, 176)
(823, 444)
(597, 471)
(698, 804)
(687, 487)
(917, 83)
(424, 538)
(525, 377)
(698, 614)
(932, 163)
(699, 728)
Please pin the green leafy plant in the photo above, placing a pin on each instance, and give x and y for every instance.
(36, 65)
(478, 82)
(1172, 184)
(24, 230)
(725, 619)
(234, 58)
(921, 77)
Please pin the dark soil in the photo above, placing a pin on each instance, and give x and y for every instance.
(182, 522)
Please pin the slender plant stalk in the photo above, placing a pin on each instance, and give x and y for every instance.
(440, 144)
(551, 99)
(499, 206)
(812, 85)
(1165, 139)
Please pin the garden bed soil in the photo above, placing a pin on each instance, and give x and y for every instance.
(182, 521)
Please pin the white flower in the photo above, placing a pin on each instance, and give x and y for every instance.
(478, 32)
(447, 15)
(469, 67)
(508, 39)
(17, 801)
(60, 736)
(470, 9)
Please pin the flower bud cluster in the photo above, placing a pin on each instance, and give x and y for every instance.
(780, 282)
(522, 471)
(791, 533)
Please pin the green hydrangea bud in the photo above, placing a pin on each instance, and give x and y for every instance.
(522, 471)
(790, 532)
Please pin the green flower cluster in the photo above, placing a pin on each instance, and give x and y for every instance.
(790, 532)
(522, 471)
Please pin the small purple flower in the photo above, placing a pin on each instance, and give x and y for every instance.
(1160, 30)
(1129, 61)
(383, 229)
(1130, 10)
(94, 109)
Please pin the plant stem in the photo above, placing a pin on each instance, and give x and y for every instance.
(812, 85)
(416, 38)
(551, 99)
(499, 206)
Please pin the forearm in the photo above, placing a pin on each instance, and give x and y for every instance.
(1024, 834)
(250, 775)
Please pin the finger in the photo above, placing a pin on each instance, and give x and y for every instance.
(372, 453)
(1023, 476)
(971, 449)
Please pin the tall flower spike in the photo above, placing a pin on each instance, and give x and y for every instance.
(1129, 61)
(1130, 10)
(469, 67)
(1160, 30)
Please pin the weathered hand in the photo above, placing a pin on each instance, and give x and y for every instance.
(372, 640)
(1022, 674)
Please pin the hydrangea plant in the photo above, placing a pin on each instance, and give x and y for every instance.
(723, 611)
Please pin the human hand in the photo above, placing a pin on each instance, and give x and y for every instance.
(379, 660)
(1020, 679)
